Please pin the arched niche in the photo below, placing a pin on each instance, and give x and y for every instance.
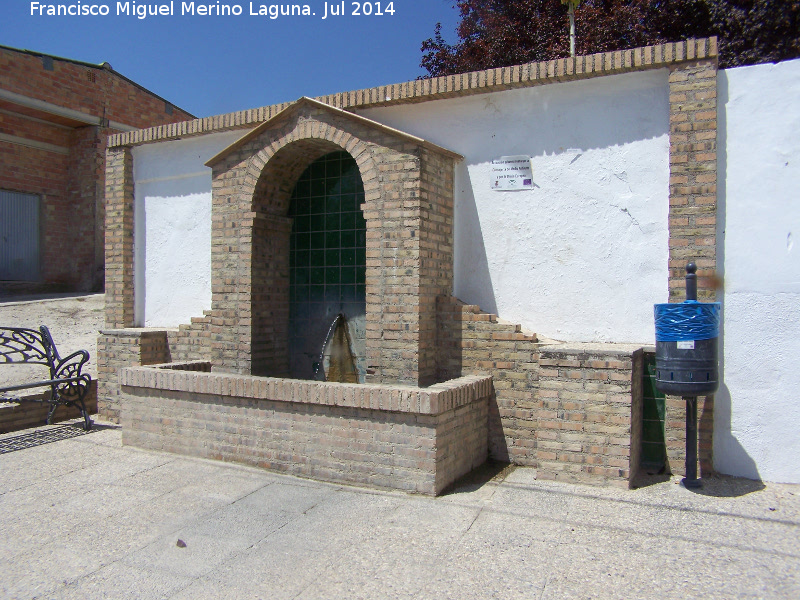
(408, 204)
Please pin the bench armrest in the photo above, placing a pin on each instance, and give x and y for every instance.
(70, 366)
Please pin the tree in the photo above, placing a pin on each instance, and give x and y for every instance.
(495, 33)
(756, 31)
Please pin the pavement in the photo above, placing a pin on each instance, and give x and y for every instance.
(83, 517)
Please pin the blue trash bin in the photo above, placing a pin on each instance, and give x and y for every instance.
(686, 348)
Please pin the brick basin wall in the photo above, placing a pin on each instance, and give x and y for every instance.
(401, 437)
(124, 348)
(572, 411)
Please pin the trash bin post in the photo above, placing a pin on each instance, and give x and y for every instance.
(691, 480)
(686, 358)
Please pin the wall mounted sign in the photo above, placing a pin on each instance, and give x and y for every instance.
(511, 173)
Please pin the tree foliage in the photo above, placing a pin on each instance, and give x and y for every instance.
(495, 33)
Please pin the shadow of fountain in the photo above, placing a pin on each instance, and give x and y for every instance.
(490, 471)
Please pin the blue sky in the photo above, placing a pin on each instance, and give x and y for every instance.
(216, 64)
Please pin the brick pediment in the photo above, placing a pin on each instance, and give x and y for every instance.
(307, 110)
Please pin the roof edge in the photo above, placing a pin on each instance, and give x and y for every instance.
(104, 66)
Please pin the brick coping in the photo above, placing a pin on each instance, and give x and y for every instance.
(137, 332)
(450, 86)
(195, 377)
(593, 348)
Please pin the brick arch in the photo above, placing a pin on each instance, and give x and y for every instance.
(278, 158)
(271, 173)
(277, 179)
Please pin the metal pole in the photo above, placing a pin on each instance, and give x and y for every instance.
(691, 481)
(691, 281)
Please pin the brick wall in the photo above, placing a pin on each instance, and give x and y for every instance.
(67, 169)
(24, 413)
(95, 90)
(568, 410)
(471, 342)
(85, 190)
(583, 422)
(417, 440)
(453, 86)
(573, 411)
(564, 409)
(117, 349)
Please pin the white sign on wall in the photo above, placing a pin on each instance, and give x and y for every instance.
(511, 173)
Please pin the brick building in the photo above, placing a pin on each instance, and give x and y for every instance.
(55, 117)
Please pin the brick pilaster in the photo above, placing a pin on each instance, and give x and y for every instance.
(119, 238)
(693, 173)
(692, 223)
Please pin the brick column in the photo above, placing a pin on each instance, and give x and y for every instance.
(119, 238)
(269, 297)
(435, 233)
(693, 173)
(692, 221)
(393, 311)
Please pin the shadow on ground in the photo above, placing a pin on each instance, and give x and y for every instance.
(47, 435)
(718, 486)
(490, 471)
(725, 486)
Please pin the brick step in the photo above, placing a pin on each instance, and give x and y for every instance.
(479, 321)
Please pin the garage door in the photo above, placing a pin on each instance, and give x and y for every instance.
(19, 236)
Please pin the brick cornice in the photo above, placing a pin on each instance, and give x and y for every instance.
(450, 86)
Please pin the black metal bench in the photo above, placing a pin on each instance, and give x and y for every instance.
(68, 386)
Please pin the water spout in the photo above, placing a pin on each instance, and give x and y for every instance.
(342, 365)
(318, 364)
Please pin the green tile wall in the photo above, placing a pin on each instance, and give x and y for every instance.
(654, 449)
(327, 257)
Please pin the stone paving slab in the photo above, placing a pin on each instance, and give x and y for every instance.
(85, 518)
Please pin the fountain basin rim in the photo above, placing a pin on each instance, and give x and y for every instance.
(195, 377)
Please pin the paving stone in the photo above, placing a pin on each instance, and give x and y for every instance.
(108, 528)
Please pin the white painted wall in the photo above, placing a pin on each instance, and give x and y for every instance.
(584, 255)
(757, 410)
(172, 228)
